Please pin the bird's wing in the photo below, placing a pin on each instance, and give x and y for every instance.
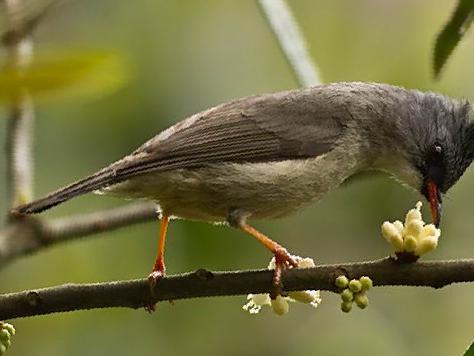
(289, 125)
(282, 126)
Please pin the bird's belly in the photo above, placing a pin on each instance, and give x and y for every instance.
(263, 190)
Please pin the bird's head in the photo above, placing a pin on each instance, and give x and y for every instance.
(438, 143)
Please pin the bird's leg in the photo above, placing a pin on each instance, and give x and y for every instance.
(283, 258)
(159, 268)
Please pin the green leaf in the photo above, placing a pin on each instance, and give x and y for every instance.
(452, 33)
(58, 75)
(470, 351)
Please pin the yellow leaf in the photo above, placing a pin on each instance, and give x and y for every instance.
(62, 75)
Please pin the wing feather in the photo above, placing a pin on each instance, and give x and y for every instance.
(289, 125)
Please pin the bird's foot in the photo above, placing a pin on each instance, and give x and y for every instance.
(283, 260)
(153, 278)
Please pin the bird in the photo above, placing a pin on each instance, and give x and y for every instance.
(267, 156)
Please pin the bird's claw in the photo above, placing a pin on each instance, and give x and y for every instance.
(153, 278)
(283, 260)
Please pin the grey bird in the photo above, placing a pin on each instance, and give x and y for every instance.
(266, 156)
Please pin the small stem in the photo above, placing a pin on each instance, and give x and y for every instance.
(20, 122)
(73, 227)
(30, 234)
(291, 40)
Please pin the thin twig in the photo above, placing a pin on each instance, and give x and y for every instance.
(291, 40)
(64, 229)
(30, 234)
(202, 283)
(27, 17)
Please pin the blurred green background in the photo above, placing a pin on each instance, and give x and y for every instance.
(185, 56)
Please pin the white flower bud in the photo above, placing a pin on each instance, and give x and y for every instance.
(410, 244)
(280, 305)
(389, 231)
(392, 234)
(430, 230)
(409, 237)
(414, 228)
(306, 296)
(3, 349)
(426, 245)
(397, 243)
(255, 302)
(398, 225)
(306, 263)
(413, 214)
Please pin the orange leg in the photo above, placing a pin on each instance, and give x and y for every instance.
(282, 258)
(159, 268)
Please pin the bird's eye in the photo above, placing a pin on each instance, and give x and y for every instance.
(437, 148)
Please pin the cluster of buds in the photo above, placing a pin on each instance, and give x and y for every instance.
(353, 291)
(6, 333)
(280, 304)
(414, 237)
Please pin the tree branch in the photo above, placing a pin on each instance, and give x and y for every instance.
(291, 40)
(202, 283)
(64, 229)
(29, 234)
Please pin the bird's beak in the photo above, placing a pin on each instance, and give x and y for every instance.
(435, 200)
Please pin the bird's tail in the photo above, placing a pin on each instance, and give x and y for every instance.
(83, 186)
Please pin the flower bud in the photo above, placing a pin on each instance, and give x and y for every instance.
(4, 335)
(342, 282)
(3, 349)
(280, 305)
(9, 327)
(355, 286)
(389, 231)
(426, 245)
(430, 230)
(413, 214)
(366, 282)
(306, 263)
(413, 228)
(410, 243)
(347, 295)
(397, 243)
(361, 300)
(346, 307)
(303, 296)
(398, 225)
